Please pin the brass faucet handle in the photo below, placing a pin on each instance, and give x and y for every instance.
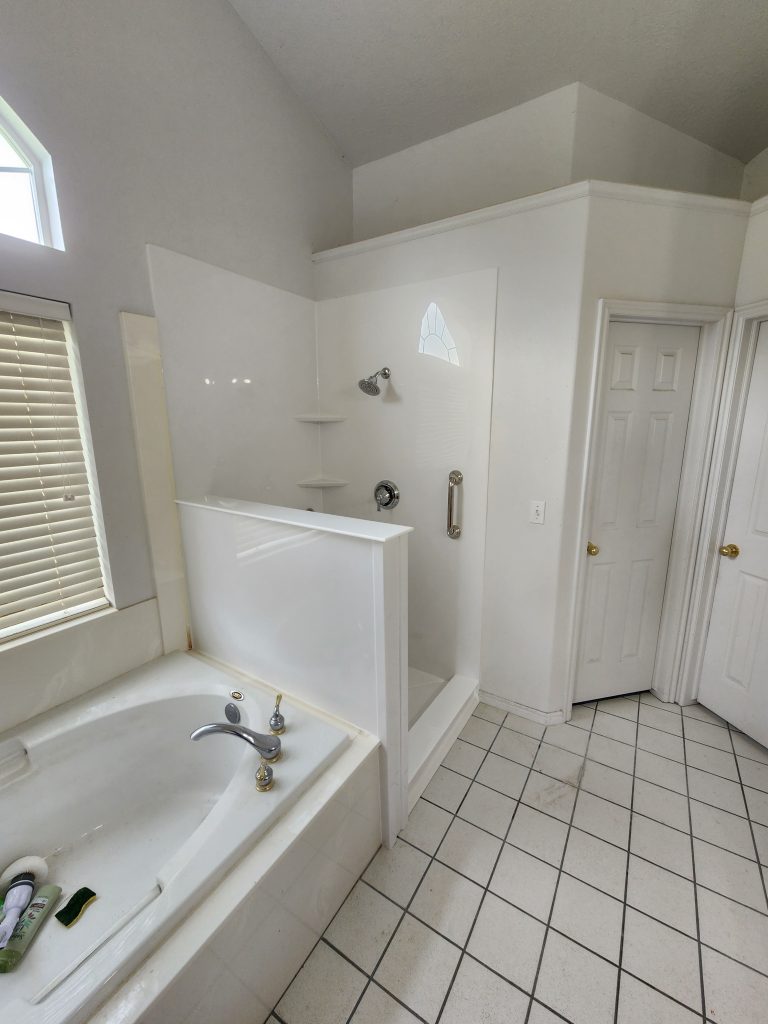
(277, 721)
(265, 777)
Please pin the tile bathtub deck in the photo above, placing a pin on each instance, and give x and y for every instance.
(607, 871)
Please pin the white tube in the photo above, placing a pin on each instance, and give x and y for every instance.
(17, 900)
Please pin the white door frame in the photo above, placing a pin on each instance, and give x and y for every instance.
(738, 374)
(714, 322)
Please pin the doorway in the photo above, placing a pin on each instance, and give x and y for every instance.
(725, 664)
(658, 372)
(637, 461)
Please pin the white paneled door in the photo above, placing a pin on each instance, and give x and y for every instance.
(636, 462)
(734, 680)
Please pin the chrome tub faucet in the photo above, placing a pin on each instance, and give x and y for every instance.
(267, 746)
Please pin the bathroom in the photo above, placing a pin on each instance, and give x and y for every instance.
(505, 790)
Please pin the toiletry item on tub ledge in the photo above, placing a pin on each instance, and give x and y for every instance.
(18, 882)
(16, 902)
(76, 906)
(42, 903)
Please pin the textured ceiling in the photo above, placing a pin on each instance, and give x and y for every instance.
(385, 74)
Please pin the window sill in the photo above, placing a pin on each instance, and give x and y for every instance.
(13, 642)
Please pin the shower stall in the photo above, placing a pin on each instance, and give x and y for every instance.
(421, 425)
(371, 404)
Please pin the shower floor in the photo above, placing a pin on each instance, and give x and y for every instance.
(422, 690)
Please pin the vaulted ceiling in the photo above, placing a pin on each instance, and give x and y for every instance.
(385, 74)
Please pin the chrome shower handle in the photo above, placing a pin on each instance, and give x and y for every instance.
(455, 477)
(386, 494)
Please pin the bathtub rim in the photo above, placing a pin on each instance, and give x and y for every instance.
(94, 705)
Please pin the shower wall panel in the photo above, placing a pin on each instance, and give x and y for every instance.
(432, 416)
(239, 366)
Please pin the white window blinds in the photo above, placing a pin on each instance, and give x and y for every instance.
(50, 567)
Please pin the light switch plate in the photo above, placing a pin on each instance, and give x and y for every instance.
(537, 512)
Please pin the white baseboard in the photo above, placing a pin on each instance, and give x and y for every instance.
(534, 715)
(434, 732)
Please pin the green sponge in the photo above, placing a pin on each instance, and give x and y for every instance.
(75, 906)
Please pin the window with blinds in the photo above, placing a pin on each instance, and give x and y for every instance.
(50, 563)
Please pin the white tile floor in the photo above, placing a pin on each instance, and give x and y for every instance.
(607, 871)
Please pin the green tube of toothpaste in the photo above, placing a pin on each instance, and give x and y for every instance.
(28, 926)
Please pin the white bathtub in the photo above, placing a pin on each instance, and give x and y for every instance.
(113, 793)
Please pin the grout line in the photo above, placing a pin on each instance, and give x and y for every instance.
(648, 817)
(703, 1013)
(320, 939)
(370, 979)
(676, 792)
(432, 859)
(529, 770)
(664, 732)
(635, 747)
(565, 935)
(555, 1013)
(394, 998)
(751, 823)
(486, 887)
(557, 880)
(622, 849)
(589, 885)
(626, 876)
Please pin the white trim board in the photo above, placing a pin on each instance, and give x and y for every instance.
(522, 710)
(32, 305)
(714, 322)
(435, 731)
(141, 348)
(564, 194)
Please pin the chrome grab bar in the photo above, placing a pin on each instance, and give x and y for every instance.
(455, 477)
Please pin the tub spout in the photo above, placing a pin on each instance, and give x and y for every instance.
(267, 746)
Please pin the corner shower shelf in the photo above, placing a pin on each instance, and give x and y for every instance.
(323, 481)
(320, 417)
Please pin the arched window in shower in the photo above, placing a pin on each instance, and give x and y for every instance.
(436, 340)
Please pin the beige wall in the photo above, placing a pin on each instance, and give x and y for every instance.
(615, 142)
(167, 124)
(571, 134)
(519, 152)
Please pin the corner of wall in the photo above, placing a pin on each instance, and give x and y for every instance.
(616, 142)
(578, 90)
(525, 150)
(755, 183)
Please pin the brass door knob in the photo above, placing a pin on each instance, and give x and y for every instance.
(592, 549)
(730, 550)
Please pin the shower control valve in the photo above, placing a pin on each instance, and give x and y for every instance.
(387, 495)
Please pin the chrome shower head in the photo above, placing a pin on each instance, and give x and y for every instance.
(369, 386)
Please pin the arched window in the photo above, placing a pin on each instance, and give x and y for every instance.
(28, 206)
(435, 339)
